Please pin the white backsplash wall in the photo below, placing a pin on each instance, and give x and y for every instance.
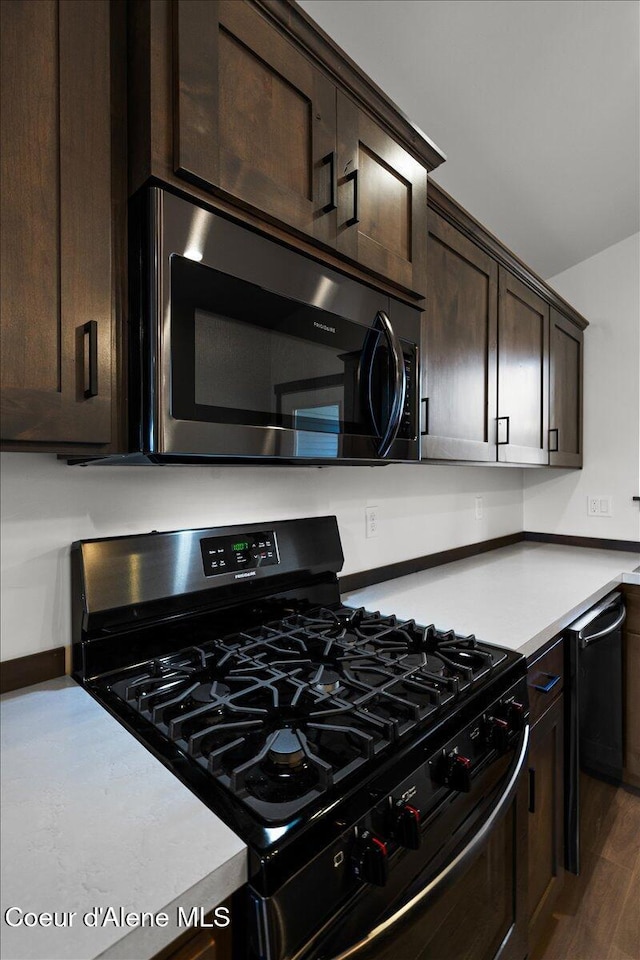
(606, 289)
(46, 505)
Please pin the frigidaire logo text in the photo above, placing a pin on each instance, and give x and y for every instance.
(241, 576)
(324, 326)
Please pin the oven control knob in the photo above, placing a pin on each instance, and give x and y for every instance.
(454, 771)
(405, 825)
(516, 716)
(497, 733)
(370, 859)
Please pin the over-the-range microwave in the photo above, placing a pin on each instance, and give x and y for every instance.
(244, 350)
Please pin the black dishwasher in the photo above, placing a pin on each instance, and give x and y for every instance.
(594, 731)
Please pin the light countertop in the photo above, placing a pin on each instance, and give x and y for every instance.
(91, 819)
(518, 597)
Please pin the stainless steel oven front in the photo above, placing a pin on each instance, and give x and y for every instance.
(245, 349)
(458, 891)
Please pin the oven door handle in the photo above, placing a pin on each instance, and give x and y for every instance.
(456, 866)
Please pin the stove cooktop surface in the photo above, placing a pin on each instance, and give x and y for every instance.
(280, 713)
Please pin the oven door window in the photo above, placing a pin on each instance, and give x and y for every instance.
(242, 354)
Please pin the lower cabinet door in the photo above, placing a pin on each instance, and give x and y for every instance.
(546, 816)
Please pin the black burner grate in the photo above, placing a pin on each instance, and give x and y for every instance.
(280, 713)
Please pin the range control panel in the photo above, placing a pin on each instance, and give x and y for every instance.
(243, 551)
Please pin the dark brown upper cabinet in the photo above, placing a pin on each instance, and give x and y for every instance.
(251, 108)
(58, 289)
(502, 352)
(459, 348)
(254, 117)
(382, 200)
(523, 373)
(565, 398)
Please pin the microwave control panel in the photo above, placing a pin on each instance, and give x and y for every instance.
(244, 551)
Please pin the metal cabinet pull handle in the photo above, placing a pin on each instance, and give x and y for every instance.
(555, 448)
(505, 421)
(332, 160)
(356, 204)
(549, 685)
(425, 431)
(90, 335)
(532, 790)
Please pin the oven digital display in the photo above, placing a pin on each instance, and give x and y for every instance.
(245, 552)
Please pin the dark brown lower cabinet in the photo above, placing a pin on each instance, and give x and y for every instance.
(546, 815)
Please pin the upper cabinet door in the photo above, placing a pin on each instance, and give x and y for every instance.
(523, 373)
(254, 117)
(459, 348)
(57, 224)
(565, 397)
(382, 200)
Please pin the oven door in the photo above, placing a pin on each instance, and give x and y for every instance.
(262, 353)
(472, 906)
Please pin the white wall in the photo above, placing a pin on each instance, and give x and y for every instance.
(46, 505)
(606, 289)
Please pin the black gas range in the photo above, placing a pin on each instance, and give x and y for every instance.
(359, 756)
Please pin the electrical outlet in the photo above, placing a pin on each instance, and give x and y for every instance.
(599, 506)
(371, 521)
(479, 508)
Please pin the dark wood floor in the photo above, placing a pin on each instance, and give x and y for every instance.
(597, 916)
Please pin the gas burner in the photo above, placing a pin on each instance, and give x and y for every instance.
(286, 751)
(326, 681)
(423, 661)
(210, 692)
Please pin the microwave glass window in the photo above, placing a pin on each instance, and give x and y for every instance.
(257, 369)
(314, 443)
(242, 354)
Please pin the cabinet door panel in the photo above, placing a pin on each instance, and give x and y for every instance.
(459, 348)
(254, 116)
(56, 222)
(381, 200)
(546, 816)
(523, 373)
(565, 398)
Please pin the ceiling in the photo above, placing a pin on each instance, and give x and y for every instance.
(535, 102)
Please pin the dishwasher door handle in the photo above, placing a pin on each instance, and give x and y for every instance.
(586, 639)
